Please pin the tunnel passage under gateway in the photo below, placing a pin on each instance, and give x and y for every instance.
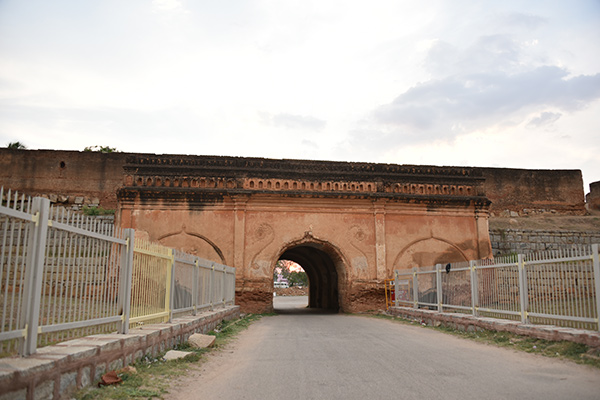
(322, 275)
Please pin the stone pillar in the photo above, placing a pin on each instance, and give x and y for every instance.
(379, 213)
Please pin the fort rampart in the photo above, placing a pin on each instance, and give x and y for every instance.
(348, 224)
(91, 178)
(593, 197)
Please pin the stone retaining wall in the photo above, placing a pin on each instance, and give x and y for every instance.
(526, 241)
(470, 323)
(55, 372)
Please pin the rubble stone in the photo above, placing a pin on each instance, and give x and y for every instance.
(200, 341)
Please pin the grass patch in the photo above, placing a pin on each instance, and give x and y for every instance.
(153, 376)
(576, 352)
(91, 211)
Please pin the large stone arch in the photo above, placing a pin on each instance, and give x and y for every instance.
(325, 266)
(427, 252)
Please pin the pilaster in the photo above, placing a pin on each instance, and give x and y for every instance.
(379, 217)
(239, 234)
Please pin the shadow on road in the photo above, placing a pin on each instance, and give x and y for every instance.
(296, 305)
(303, 311)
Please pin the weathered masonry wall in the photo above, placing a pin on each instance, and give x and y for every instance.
(55, 372)
(524, 241)
(593, 197)
(69, 178)
(534, 191)
(91, 178)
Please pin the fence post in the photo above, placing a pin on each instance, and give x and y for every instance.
(211, 286)
(415, 288)
(596, 262)
(474, 287)
(438, 284)
(231, 286)
(170, 285)
(523, 295)
(195, 275)
(223, 286)
(126, 277)
(396, 288)
(34, 274)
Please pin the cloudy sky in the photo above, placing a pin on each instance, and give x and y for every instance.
(471, 83)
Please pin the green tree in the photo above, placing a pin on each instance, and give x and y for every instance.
(101, 149)
(16, 145)
(298, 278)
(294, 278)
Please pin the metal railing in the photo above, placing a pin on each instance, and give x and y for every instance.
(64, 275)
(553, 288)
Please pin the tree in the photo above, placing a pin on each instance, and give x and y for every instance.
(16, 145)
(298, 278)
(101, 149)
(289, 271)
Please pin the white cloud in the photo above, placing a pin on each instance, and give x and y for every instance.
(487, 98)
(292, 121)
(520, 20)
(168, 6)
(544, 119)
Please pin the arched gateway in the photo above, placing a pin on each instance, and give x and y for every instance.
(324, 265)
(348, 224)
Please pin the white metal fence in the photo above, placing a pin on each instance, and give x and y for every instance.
(65, 275)
(552, 288)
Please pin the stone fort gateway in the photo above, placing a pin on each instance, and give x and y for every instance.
(349, 225)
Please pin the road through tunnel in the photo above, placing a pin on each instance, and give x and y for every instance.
(322, 274)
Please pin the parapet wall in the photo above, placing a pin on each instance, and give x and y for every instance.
(469, 323)
(55, 372)
(75, 178)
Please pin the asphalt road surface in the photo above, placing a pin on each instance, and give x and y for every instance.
(304, 354)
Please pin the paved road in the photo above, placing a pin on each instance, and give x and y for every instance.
(300, 354)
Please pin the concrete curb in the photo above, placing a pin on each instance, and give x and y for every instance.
(55, 372)
(470, 323)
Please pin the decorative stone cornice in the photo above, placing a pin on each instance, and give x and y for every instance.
(209, 179)
(242, 167)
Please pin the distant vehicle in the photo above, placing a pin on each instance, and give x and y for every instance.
(281, 285)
